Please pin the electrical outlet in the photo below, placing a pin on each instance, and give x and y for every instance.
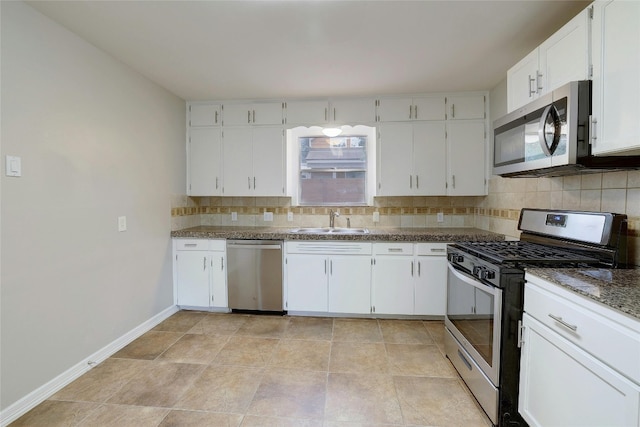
(122, 223)
(234, 216)
(440, 217)
(289, 216)
(376, 217)
(268, 216)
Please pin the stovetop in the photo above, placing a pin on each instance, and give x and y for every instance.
(523, 253)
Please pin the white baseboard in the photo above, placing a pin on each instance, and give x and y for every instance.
(43, 392)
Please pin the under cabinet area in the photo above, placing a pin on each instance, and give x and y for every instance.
(200, 278)
(567, 376)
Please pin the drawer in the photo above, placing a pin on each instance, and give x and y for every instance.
(570, 315)
(431, 249)
(329, 248)
(192, 244)
(392, 248)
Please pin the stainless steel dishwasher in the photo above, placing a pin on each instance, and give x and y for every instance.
(254, 275)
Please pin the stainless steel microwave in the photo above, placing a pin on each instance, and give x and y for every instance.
(550, 137)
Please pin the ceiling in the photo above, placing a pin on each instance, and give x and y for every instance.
(215, 50)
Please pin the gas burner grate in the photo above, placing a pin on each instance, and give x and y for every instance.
(518, 251)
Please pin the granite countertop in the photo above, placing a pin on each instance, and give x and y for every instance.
(615, 288)
(435, 234)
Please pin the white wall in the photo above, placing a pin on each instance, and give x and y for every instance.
(97, 140)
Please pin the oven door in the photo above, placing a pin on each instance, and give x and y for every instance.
(473, 318)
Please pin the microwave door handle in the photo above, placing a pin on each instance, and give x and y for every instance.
(542, 136)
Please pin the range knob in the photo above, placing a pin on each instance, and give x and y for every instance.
(478, 271)
(487, 274)
(456, 258)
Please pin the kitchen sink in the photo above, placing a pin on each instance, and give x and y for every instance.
(327, 230)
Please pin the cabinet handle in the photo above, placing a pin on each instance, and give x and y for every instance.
(417, 182)
(331, 267)
(592, 129)
(411, 268)
(438, 249)
(221, 263)
(334, 114)
(453, 179)
(190, 245)
(249, 182)
(418, 268)
(254, 116)
(410, 181)
(216, 119)
(410, 111)
(248, 116)
(326, 114)
(563, 322)
(538, 82)
(204, 263)
(216, 182)
(325, 266)
(394, 249)
(453, 111)
(531, 91)
(254, 182)
(415, 112)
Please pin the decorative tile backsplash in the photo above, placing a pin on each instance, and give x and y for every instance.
(499, 211)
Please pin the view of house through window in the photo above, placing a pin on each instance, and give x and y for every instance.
(333, 171)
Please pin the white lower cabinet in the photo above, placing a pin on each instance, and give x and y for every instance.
(409, 279)
(200, 274)
(568, 377)
(333, 277)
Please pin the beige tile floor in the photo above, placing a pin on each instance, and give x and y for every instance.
(204, 369)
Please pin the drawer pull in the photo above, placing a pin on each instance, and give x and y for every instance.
(190, 245)
(563, 323)
(395, 249)
(438, 249)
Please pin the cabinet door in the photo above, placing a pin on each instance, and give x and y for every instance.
(429, 108)
(353, 111)
(350, 284)
(205, 172)
(192, 274)
(204, 115)
(465, 107)
(392, 286)
(564, 56)
(561, 385)
(395, 176)
(307, 112)
(522, 82)
(431, 285)
(266, 113)
(218, 280)
(616, 86)
(268, 162)
(237, 149)
(395, 110)
(236, 114)
(307, 282)
(429, 154)
(466, 158)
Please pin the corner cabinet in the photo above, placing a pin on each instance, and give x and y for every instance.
(579, 362)
(254, 159)
(563, 57)
(200, 274)
(616, 86)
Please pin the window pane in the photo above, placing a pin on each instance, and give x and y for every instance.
(333, 170)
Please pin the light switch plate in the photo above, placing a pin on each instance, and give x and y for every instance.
(289, 216)
(234, 216)
(440, 217)
(13, 166)
(376, 217)
(268, 216)
(122, 223)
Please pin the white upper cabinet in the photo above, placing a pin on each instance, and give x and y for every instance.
(466, 151)
(306, 113)
(352, 111)
(563, 57)
(465, 107)
(412, 159)
(256, 113)
(204, 162)
(204, 115)
(254, 159)
(408, 109)
(616, 82)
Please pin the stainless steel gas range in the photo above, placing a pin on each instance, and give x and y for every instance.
(485, 292)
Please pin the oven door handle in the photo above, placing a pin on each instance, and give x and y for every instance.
(471, 281)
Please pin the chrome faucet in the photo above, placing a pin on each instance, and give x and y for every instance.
(332, 217)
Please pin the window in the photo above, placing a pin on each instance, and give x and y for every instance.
(331, 171)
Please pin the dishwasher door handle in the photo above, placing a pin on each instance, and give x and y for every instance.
(241, 246)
